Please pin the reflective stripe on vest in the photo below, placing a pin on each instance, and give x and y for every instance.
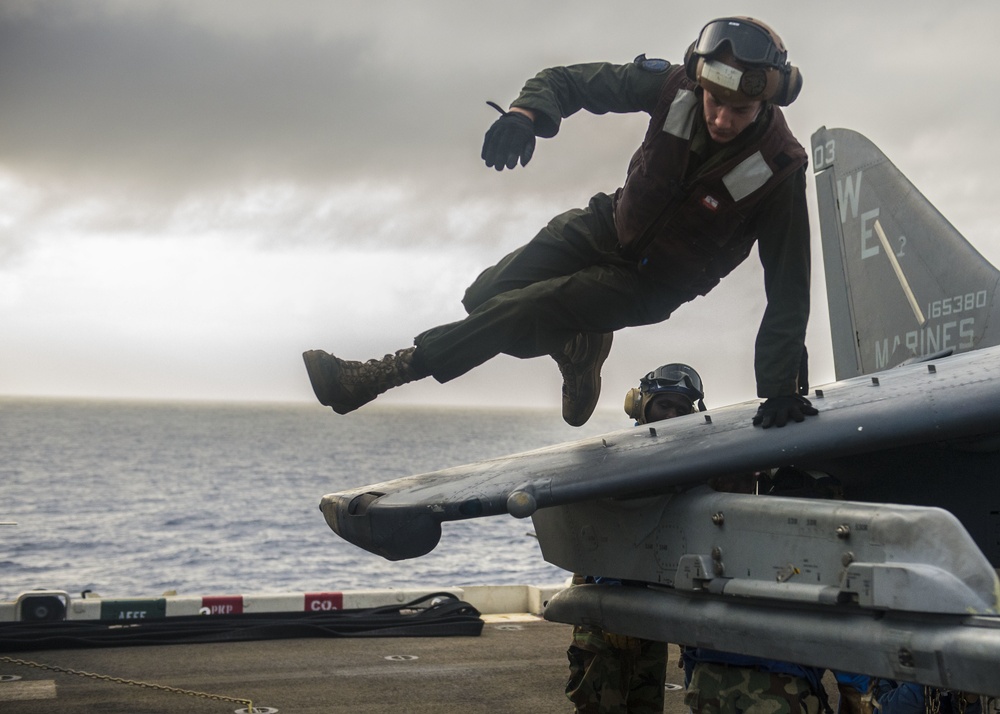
(680, 118)
(747, 176)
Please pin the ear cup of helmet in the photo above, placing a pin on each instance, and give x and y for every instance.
(789, 87)
(633, 403)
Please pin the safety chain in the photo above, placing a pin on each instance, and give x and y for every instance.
(960, 703)
(932, 700)
(119, 680)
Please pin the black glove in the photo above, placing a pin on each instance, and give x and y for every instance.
(511, 137)
(777, 410)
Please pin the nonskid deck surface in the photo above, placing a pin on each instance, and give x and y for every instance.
(518, 661)
(517, 665)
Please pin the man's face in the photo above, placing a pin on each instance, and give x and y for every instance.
(668, 405)
(726, 121)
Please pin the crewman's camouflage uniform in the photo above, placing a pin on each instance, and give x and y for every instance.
(721, 689)
(614, 674)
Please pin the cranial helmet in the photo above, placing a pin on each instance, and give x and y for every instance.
(741, 60)
(675, 378)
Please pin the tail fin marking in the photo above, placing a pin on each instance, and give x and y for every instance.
(902, 282)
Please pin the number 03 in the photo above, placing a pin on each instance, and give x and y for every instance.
(824, 154)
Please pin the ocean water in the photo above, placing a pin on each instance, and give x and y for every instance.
(133, 499)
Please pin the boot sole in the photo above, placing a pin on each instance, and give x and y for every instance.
(316, 369)
(601, 358)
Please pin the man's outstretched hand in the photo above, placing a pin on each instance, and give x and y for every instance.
(776, 411)
(511, 137)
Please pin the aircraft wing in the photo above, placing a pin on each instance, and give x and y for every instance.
(918, 404)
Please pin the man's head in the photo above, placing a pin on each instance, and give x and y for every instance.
(740, 60)
(727, 120)
(669, 391)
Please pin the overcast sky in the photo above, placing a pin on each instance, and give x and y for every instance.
(194, 192)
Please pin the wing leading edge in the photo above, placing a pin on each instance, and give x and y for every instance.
(912, 405)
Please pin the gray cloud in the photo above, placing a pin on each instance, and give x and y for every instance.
(154, 100)
(166, 102)
(311, 130)
(167, 116)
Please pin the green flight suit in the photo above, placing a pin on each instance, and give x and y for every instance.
(571, 277)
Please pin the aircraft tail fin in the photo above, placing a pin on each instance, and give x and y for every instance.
(902, 283)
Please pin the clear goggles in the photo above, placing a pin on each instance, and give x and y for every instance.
(748, 42)
(673, 376)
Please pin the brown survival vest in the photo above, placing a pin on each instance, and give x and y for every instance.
(690, 232)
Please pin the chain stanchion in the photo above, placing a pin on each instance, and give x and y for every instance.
(119, 680)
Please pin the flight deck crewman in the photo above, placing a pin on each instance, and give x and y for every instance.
(717, 171)
(611, 673)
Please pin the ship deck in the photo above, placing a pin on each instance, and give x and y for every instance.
(517, 664)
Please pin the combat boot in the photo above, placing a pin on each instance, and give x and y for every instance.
(346, 385)
(580, 363)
